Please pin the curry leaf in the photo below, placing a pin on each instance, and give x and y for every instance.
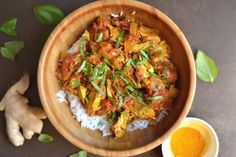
(45, 138)
(48, 14)
(9, 27)
(81, 153)
(207, 69)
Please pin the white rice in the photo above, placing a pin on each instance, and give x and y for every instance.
(61, 96)
(94, 122)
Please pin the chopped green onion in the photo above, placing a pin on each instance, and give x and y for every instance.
(119, 91)
(74, 83)
(145, 54)
(99, 39)
(130, 61)
(155, 98)
(120, 101)
(124, 79)
(130, 88)
(120, 38)
(95, 74)
(97, 88)
(81, 66)
(81, 46)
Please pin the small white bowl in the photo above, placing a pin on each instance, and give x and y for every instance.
(211, 147)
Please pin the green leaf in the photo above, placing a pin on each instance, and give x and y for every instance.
(97, 88)
(81, 66)
(6, 53)
(99, 39)
(45, 138)
(81, 153)
(48, 14)
(120, 38)
(15, 46)
(11, 48)
(9, 27)
(207, 69)
(155, 98)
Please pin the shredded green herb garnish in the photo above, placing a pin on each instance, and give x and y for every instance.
(97, 88)
(145, 54)
(155, 98)
(81, 46)
(95, 74)
(119, 91)
(81, 66)
(120, 101)
(130, 61)
(120, 38)
(99, 39)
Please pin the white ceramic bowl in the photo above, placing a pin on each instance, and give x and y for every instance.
(211, 147)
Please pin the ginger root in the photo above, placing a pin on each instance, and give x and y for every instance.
(19, 114)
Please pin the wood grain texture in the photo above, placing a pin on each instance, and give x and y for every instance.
(59, 114)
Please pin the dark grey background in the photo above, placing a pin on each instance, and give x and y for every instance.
(208, 25)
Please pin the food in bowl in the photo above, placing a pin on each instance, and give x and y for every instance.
(118, 76)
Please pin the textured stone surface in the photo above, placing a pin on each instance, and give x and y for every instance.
(208, 25)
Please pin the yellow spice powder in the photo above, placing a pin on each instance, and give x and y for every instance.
(187, 142)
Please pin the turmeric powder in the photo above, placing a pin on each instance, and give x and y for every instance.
(187, 142)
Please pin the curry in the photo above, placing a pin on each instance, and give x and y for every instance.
(122, 69)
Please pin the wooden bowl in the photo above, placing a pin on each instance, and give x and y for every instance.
(59, 114)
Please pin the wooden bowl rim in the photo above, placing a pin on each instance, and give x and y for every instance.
(130, 152)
